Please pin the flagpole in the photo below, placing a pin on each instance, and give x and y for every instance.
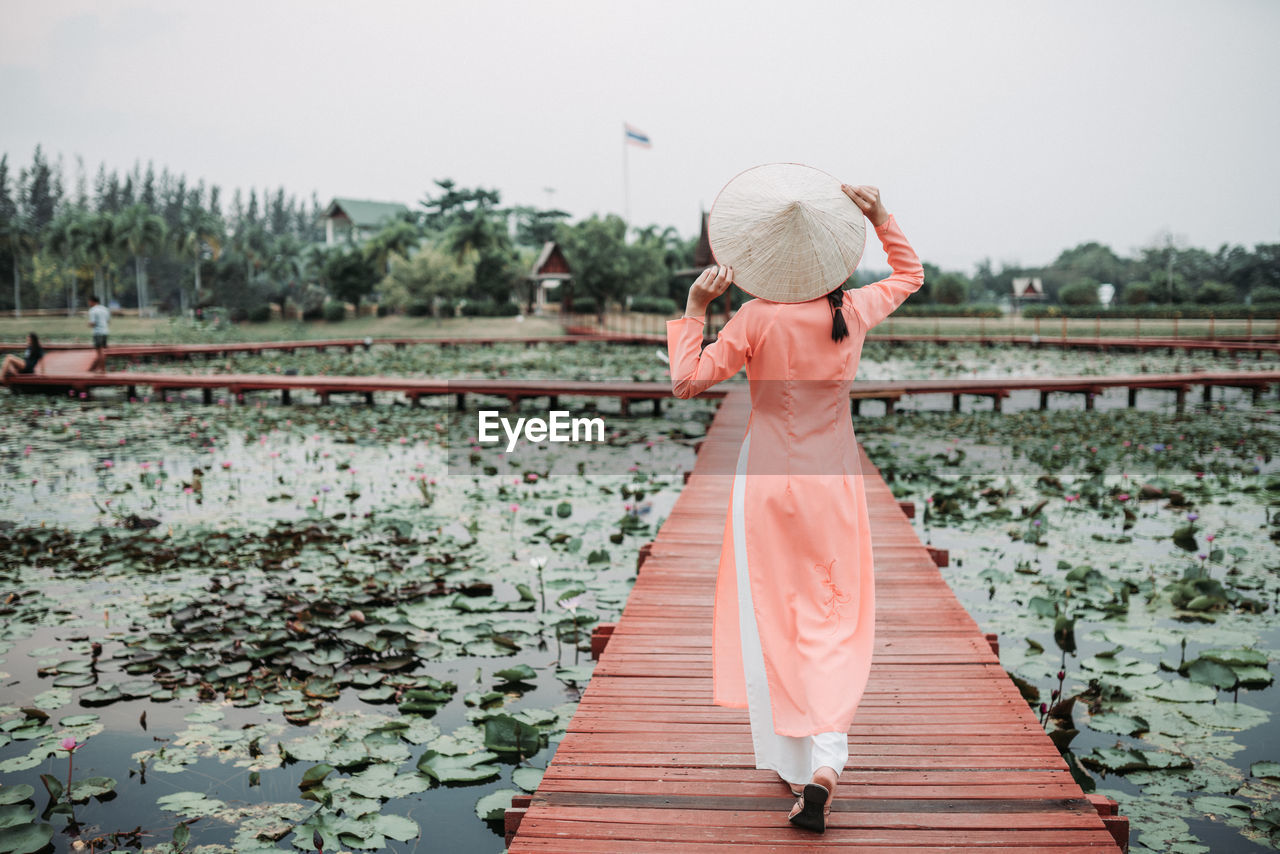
(626, 180)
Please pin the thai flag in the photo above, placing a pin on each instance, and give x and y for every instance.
(636, 137)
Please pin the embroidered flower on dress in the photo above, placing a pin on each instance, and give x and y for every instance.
(833, 597)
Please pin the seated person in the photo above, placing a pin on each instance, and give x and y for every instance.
(26, 364)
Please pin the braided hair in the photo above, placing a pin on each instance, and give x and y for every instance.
(839, 329)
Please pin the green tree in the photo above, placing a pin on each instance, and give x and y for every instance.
(1214, 293)
(604, 266)
(349, 275)
(141, 233)
(454, 204)
(396, 238)
(100, 247)
(200, 233)
(534, 227)
(949, 289)
(429, 276)
(1079, 292)
(18, 237)
(67, 238)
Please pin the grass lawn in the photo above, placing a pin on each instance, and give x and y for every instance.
(166, 330)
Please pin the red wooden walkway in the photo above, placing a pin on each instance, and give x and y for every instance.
(67, 369)
(944, 753)
(1256, 345)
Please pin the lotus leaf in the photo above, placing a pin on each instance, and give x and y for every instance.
(15, 794)
(529, 778)
(494, 806)
(1183, 692)
(26, 838)
(91, 787)
(464, 768)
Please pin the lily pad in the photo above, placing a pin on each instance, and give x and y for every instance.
(1265, 768)
(465, 768)
(494, 806)
(16, 794)
(91, 787)
(26, 838)
(1183, 692)
(529, 778)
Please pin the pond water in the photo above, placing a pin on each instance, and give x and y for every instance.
(275, 626)
(1129, 561)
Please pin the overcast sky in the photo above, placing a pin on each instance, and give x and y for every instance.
(1008, 130)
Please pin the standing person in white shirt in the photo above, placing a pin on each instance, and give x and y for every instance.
(98, 317)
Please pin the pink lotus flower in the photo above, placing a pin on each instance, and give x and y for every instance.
(107, 464)
(514, 508)
(1123, 496)
(70, 745)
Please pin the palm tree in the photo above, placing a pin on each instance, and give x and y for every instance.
(98, 236)
(68, 237)
(17, 236)
(396, 239)
(141, 233)
(199, 232)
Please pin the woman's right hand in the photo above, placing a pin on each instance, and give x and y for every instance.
(868, 199)
(713, 282)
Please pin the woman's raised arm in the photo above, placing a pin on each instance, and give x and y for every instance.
(876, 301)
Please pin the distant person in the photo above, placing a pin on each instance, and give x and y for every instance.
(98, 317)
(26, 364)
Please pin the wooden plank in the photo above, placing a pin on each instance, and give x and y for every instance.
(945, 754)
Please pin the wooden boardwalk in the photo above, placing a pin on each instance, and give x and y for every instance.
(1257, 345)
(67, 370)
(944, 753)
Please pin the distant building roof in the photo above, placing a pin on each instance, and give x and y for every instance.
(551, 263)
(702, 257)
(1028, 288)
(364, 213)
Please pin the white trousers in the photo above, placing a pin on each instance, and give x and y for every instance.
(795, 758)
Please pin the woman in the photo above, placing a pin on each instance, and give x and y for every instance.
(26, 364)
(795, 598)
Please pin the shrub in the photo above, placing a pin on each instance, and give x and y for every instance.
(924, 309)
(419, 308)
(1157, 311)
(948, 289)
(383, 309)
(334, 311)
(260, 314)
(584, 305)
(1078, 293)
(1136, 293)
(1215, 293)
(1265, 294)
(489, 308)
(238, 315)
(654, 305)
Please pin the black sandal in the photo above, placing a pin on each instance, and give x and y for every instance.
(813, 808)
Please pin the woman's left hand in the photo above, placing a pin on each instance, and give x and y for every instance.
(713, 282)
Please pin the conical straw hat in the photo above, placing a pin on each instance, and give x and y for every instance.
(788, 231)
